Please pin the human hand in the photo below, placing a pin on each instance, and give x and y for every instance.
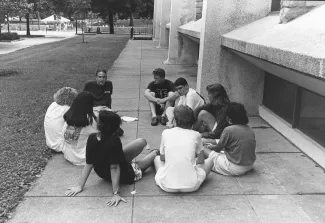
(73, 191)
(160, 101)
(115, 200)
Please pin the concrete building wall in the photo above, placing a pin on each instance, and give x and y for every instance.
(243, 82)
(198, 9)
(158, 8)
(165, 19)
(180, 49)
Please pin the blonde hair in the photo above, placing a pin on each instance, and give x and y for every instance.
(65, 96)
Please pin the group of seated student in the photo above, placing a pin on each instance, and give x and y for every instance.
(201, 137)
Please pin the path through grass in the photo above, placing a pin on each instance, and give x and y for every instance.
(34, 75)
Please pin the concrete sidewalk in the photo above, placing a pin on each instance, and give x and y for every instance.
(285, 185)
(8, 47)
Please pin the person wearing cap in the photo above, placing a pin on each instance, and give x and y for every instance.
(211, 117)
(161, 94)
(188, 96)
(53, 120)
(181, 165)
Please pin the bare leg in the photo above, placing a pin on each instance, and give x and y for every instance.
(152, 106)
(134, 148)
(168, 103)
(206, 152)
(205, 117)
(209, 141)
(206, 166)
(147, 161)
(158, 163)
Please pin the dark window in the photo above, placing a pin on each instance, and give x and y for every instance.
(279, 96)
(276, 5)
(312, 116)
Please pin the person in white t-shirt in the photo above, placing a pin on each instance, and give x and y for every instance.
(53, 121)
(188, 96)
(181, 166)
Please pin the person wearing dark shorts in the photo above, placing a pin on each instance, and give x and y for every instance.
(161, 94)
(104, 154)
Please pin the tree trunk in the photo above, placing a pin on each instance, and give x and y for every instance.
(131, 19)
(27, 25)
(76, 26)
(111, 21)
(39, 26)
(8, 22)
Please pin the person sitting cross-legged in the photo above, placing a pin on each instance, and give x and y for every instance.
(188, 96)
(161, 94)
(237, 142)
(104, 154)
(178, 169)
(53, 120)
(211, 117)
(101, 90)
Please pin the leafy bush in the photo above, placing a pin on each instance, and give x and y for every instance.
(9, 36)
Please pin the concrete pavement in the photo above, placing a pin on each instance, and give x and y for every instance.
(285, 185)
(8, 47)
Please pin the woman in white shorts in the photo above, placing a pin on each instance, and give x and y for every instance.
(235, 152)
(178, 169)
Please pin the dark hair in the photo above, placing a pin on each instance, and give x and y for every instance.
(237, 113)
(219, 93)
(160, 72)
(101, 71)
(108, 123)
(184, 116)
(80, 114)
(180, 81)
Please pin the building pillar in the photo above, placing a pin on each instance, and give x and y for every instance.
(182, 12)
(243, 81)
(154, 18)
(165, 19)
(158, 7)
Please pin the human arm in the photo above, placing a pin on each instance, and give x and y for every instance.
(172, 96)
(149, 96)
(115, 178)
(199, 151)
(162, 147)
(72, 191)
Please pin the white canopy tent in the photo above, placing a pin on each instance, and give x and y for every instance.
(53, 18)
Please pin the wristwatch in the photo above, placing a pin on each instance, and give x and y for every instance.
(116, 192)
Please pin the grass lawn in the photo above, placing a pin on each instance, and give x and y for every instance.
(36, 74)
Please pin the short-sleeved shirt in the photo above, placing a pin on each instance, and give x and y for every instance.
(180, 147)
(161, 90)
(102, 95)
(106, 152)
(239, 144)
(192, 99)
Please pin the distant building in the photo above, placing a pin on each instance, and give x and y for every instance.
(276, 70)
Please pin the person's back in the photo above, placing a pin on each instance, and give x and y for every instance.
(181, 146)
(239, 144)
(53, 120)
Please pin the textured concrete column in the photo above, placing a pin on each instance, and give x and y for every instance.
(243, 81)
(158, 7)
(154, 18)
(182, 12)
(165, 19)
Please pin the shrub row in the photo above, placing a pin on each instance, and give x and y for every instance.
(9, 36)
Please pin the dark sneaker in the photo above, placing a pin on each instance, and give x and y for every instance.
(163, 120)
(154, 121)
